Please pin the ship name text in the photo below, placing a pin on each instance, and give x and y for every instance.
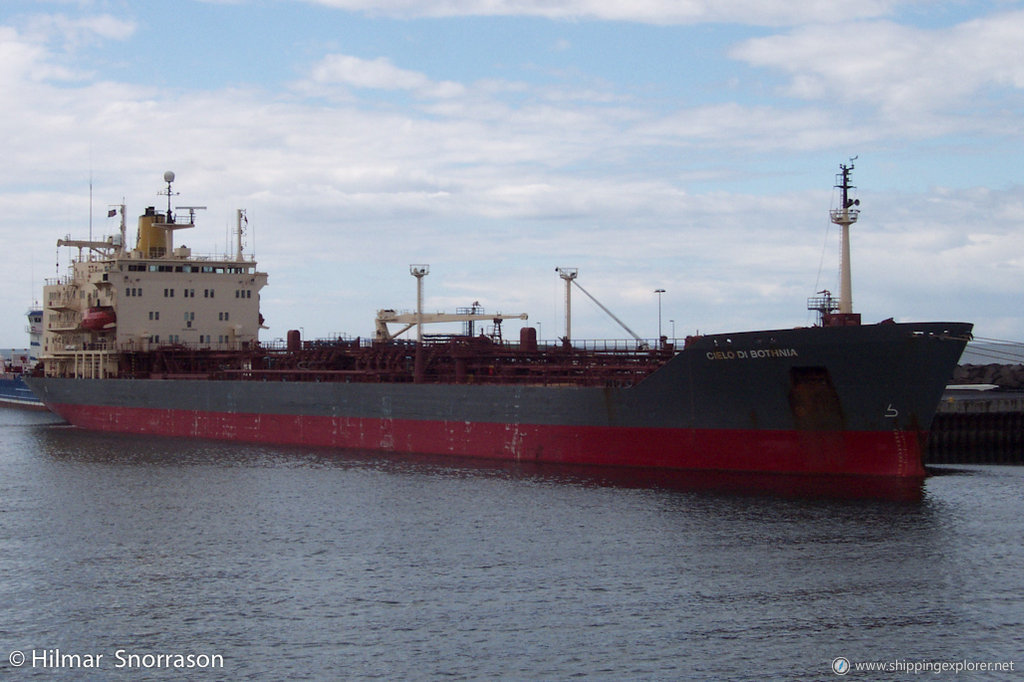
(758, 354)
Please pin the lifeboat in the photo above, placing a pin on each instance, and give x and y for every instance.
(99, 318)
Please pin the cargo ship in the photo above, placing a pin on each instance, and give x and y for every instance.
(156, 340)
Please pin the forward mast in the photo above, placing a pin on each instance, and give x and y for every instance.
(840, 313)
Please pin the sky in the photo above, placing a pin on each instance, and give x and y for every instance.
(684, 145)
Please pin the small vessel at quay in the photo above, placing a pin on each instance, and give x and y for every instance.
(15, 363)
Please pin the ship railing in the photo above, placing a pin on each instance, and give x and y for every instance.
(610, 346)
(622, 345)
(63, 302)
(82, 363)
(280, 344)
(192, 256)
(840, 215)
(145, 346)
(91, 347)
(216, 258)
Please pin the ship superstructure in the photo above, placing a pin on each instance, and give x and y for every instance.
(118, 300)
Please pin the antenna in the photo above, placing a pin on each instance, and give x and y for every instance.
(242, 220)
(191, 212)
(90, 204)
(168, 178)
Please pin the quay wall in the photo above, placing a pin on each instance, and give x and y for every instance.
(983, 424)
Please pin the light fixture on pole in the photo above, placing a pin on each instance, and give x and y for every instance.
(659, 292)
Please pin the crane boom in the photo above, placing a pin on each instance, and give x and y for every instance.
(622, 324)
(386, 317)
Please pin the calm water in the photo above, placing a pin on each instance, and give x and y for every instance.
(317, 564)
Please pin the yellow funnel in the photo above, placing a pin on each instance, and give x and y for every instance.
(154, 242)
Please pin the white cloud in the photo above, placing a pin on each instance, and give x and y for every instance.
(902, 70)
(18, 57)
(659, 12)
(76, 33)
(379, 74)
(765, 128)
(30, 53)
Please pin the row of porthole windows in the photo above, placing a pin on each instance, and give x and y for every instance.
(203, 338)
(189, 316)
(187, 293)
(190, 293)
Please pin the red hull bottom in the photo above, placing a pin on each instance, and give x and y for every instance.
(892, 453)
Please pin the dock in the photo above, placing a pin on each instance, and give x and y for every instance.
(975, 426)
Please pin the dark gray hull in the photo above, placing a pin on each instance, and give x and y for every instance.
(853, 399)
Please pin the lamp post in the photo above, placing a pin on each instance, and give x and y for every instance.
(419, 272)
(659, 292)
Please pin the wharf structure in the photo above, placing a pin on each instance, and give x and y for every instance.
(980, 419)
